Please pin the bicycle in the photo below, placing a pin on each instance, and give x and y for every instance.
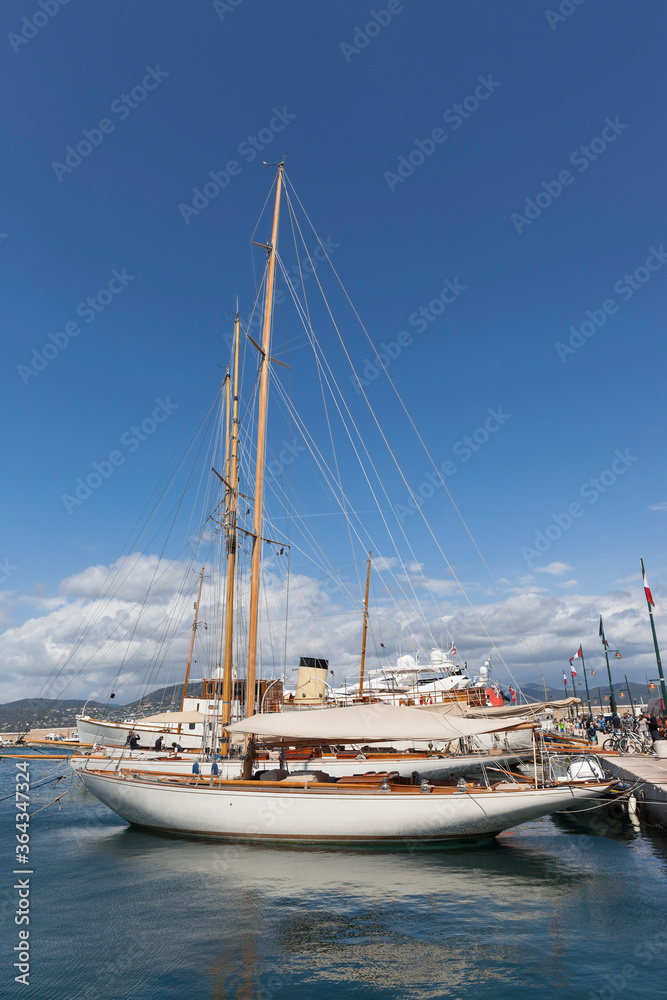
(636, 743)
(614, 741)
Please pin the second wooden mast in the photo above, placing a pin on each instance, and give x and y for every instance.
(261, 447)
(230, 521)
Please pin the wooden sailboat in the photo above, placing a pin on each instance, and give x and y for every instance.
(314, 808)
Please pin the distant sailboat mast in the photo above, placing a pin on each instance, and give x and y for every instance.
(230, 522)
(365, 629)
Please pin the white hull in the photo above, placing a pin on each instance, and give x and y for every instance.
(325, 814)
(428, 767)
(115, 734)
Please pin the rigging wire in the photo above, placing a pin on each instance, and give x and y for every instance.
(428, 454)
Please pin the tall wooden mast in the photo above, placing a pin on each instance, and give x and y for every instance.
(192, 640)
(261, 446)
(365, 629)
(230, 521)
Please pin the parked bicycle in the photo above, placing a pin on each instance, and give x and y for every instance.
(637, 743)
(614, 741)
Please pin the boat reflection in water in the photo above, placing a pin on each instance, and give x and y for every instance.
(427, 923)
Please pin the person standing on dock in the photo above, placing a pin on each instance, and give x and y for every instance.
(653, 728)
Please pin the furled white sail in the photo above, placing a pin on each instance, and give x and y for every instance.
(371, 723)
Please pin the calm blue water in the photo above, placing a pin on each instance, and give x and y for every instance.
(552, 906)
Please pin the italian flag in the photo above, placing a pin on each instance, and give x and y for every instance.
(647, 589)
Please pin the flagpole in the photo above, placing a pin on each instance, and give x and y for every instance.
(588, 694)
(655, 640)
(632, 704)
(612, 698)
(574, 692)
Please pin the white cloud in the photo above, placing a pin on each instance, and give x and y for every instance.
(555, 568)
(382, 563)
(101, 643)
(129, 578)
(658, 506)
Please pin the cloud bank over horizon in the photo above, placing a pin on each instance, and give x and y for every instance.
(126, 628)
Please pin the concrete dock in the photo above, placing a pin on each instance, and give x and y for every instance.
(650, 775)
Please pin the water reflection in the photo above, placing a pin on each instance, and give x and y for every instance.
(544, 908)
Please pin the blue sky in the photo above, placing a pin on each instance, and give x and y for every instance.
(532, 151)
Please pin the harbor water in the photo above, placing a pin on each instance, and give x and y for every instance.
(563, 906)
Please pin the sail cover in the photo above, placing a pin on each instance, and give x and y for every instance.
(532, 708)
(372, 723)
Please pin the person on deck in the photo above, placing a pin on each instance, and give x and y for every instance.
(159, 743)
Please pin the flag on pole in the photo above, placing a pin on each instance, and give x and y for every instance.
(564, 679)
(647, 589)
(572, 670)
(602, 635)
(577, 656)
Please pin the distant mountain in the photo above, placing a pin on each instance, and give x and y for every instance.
(37, 713)
(535, 692)
(639, 692)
